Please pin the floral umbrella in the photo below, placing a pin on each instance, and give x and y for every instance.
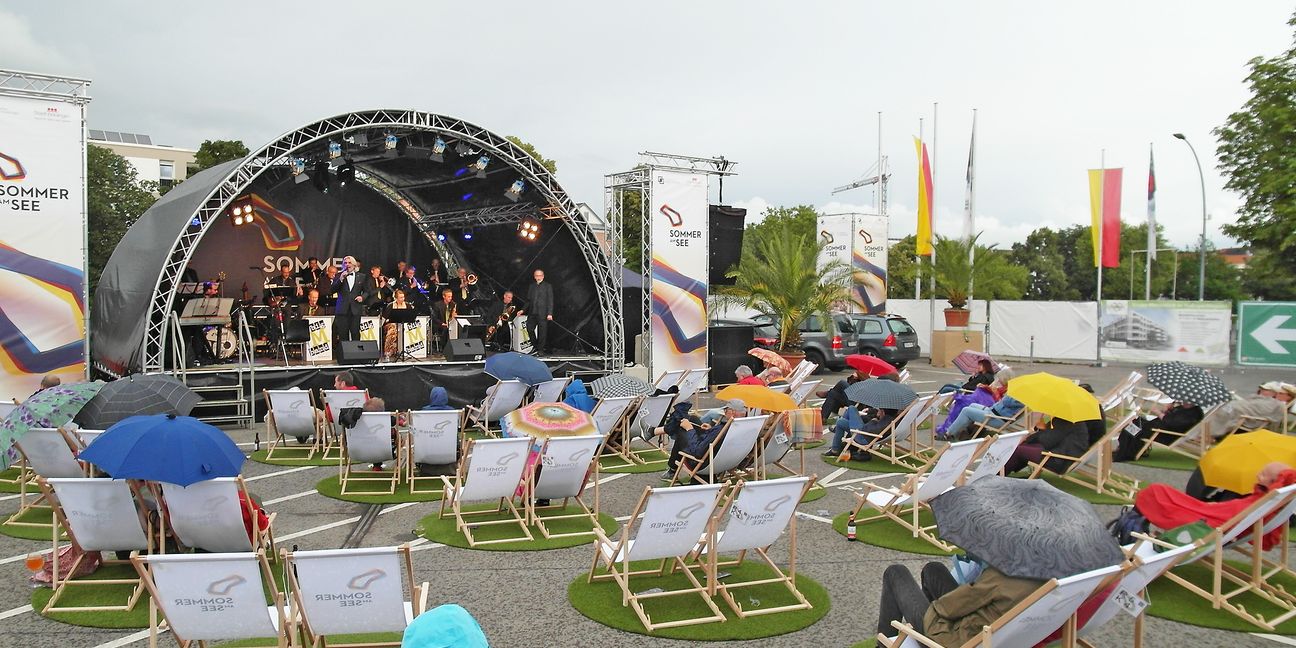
(545, 420)
(772, 359)
(48, 408)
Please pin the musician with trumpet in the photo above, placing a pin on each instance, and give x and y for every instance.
(499, 335)
(464, 288)
(444, 313)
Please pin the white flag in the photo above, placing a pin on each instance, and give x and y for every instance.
(969, 221)
(1151, 224)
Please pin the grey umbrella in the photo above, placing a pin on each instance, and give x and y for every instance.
(885, 394)
(617, 385)
(1025, 528)
(137, 394)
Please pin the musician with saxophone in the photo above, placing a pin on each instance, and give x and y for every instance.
(443, 314)
(499, 335)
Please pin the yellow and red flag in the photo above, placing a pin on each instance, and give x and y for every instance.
(1104, 209)
(924, 236)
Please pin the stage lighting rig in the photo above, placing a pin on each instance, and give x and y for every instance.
(529, 230)
(515, 191)
(463, 150)
(389, 145)
(346, 173)
(335, 150)
(468, 234)
(241, 211)
(320, 176)
(299, 170)
(438, 150)
(480, 166)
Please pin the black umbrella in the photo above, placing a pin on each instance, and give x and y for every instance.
(134, 395)
(885, 394)
(1025, 528)
(1184, 382)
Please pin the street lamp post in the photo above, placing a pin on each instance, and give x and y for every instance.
(1201, 271)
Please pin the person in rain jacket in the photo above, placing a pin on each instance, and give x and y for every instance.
(438, 399)
(578, 396)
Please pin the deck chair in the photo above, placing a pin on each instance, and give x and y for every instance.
(1117, 400)
(669, 379)
(780, 388)
(995, 454)
(692, 383)
(98, 515)
(887, 442)
(786, 436)
(1093, 468)
(994, 424)
(1028, 623)
(291, 413)
(773, 444)
(611, 419)
(504, 397)
(6, 407)
(433, 439)
(903, 505)
(208, 515)
(1193, 444)
(567, 464)
(1262, 568)
(1146, 565)
(754, 517)
(666, 525)
(728, 451)
(550, 391)
(491, 470)
(369, 443)
(804, 390)
(905, 376)
(354, 591)
(49, 453)
(213, 597)
(799, 373)
(649, 414)
(336, 400)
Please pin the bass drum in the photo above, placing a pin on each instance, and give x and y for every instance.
(223, 341)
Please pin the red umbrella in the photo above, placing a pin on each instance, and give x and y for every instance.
(871, 365)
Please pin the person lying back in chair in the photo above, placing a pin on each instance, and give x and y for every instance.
(949, 613)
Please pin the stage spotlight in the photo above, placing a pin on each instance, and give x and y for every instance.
(335, 150)
(463, 150)
(438, 150)
(345, 173)
(515, 191)
(480, 166)
(528, 230)
(320, 176)
(299, 170)
(389, 145)
(468, 235)
(441, 237)
(466, 197)
(241, 212)
(195, 222)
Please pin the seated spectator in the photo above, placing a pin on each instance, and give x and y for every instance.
(744, 375)
(1266, 406)
(1007, 407)
(835, 397)
(438, 399)
(1058, 436)
(732, 409)
(379, 405)
(869, 431)
(578, 396)
(948, 613)
(984, 376)
(773, 376)
(1166, 507)
(250, 508)
(854, 418)
(983, 395)
(1177, 417)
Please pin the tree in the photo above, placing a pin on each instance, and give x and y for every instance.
(1045, 264)
(1223, 281)
(115, 198)
(989, 271)
(1268, 276)
(801, 220)
(632, 230)
(901, 268)
(214, 152)
(531, 150)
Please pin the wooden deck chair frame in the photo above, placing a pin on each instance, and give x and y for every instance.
(417, 603)
(1116, 400)
(440, 419)
(799, 373)
(991, 457)
(705, 465)
(145, 566)
(907, 502)
(769, 439)
(656, 407)
(278, 438)
(1143, 568)
(61, 586)
(708, 554)
(994, 424)
(1192, 444)
(28, 484)
(1093, 468)
(691, 384)
(804, 390)
(1263, 569)
(504, 398)
(561, 463)
(902, 447)
(329, 444)
(371, 424)
(453, 490)
(669, 379)
(616, 555)
(614, 424)
(262, 539)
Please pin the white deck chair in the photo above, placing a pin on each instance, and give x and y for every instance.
(208, 515)
(995, 455)
(184, 587)
(804, 390)
(901, 446)
(668, 524)
(49, 453)
(649, 415)
(1193, 444)
(1118, 399)
(754, 517)
(550, 391)
(335, 400)
(369, 443)
(611, 419)
(98, 515)
(774, 444)
(1262, 568)
(354, 591)
(1093, 468)
(692, 382)
(1147, 566)
(291, 413)
(1028, 623)
(903, 505)
(727, 451)
(799, 373)
(565, 464)
(502, 398)
(491, 470)
(669, 379)
(434, 440)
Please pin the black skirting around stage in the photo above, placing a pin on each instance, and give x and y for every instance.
(402, 386)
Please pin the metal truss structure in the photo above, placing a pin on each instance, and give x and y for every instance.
(45, 86)
(279, 152)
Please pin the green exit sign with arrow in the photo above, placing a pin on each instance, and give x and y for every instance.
(1267, 334)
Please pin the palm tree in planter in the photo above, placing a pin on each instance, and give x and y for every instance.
(779, 275)
(958, 271)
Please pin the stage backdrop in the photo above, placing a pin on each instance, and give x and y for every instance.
(869, 262)
(679, 231)
(42, 243)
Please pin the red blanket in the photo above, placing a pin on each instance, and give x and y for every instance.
(1168, 508)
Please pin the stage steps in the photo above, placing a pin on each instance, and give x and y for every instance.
(223, 404)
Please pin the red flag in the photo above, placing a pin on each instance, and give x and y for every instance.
(1104, 207)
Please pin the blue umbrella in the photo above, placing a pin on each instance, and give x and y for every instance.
(177, 450)
(518, 366)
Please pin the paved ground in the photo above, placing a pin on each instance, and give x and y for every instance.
(520, 598)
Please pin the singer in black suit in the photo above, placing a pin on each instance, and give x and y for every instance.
(539, 312)
(355, 290)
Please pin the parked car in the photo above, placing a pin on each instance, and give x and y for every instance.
(822, 347)
(764, 336)
(889, 337)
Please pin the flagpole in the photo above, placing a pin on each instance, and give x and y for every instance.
(1102, 195)
(931, 207)
(1151, 229)
(970, 223)
(917, 258)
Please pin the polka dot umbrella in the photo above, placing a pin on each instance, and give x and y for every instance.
(1187, 383)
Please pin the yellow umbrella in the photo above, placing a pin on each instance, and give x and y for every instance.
(1234, 463)
(1055, 396)
(758, 397)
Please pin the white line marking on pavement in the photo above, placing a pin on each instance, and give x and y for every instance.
(15, 612)
(286, 498)
(613, 477)
(831, 476)
(6, 498)
(1278, 638)
(322, 527)
(816, 518)
(278, 472)
(863, 479)
(623, 518)
(128, 639)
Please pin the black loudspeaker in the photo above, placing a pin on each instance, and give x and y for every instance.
(354, 352)
(727, 348)
(726, 242)
(466, 349)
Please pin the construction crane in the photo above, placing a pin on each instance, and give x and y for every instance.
(878, 178)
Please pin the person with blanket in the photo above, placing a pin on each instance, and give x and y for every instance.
(1166, 507)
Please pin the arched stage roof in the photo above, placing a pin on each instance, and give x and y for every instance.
(437, 192)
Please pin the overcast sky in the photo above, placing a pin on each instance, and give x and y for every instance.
(789, 90)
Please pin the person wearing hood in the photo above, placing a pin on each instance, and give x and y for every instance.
(578, 396)
(438, 399)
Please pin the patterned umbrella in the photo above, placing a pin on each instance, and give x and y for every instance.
(52, 407)
(618, 385)
(969, 361)
(1184, 382)
(134, 395)
(882, 393)
(771, 359)
(1025, 528)
(544, 420)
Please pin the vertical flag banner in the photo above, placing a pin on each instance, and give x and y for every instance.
(869, 262)
(42, 256)
(1104, 209)
(924, 235)
(837, 238)
(969, 221)
(1151, 222)
(679, 234)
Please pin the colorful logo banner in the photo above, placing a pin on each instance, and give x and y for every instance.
(679, 231)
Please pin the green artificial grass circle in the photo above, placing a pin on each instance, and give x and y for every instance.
(886, 533)
(875, 465)
(601, 602)
(442, 530)
(100, 595)
(8, 480)
(1167, 459)
(1086, 494)
(815, 492)
(811, 445)
(260, 457)
(332, 487)
(40, 515)
(654, 461)
(1171, 601)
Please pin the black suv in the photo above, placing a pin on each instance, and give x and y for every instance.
(889, 337)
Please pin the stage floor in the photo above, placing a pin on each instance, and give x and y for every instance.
(271, 364)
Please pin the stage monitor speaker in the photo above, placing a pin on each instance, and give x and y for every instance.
(354, 352)
(465, 350)
(726, 242)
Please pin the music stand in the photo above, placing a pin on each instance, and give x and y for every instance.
(400, 317)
